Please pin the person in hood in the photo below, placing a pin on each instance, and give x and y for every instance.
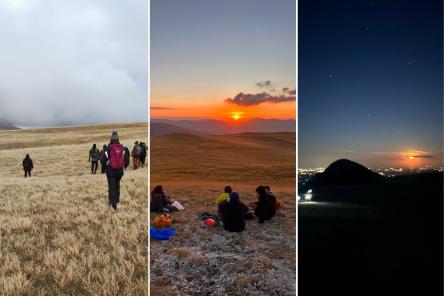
(233, 213)
(28, 165)
(115, 155)
(94, 156)
(264, 208)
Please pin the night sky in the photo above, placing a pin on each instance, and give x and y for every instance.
(370, 82)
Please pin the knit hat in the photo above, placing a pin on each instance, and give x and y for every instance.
(114, 136)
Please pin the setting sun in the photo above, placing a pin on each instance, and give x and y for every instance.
(236, 115)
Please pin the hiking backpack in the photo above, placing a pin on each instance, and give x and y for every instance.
(95, 154)
(116, 157)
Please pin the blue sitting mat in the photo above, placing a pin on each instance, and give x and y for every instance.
(162, 234)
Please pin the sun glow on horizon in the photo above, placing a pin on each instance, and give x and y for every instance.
(236, 115)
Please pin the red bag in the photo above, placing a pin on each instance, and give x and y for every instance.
(116, 157)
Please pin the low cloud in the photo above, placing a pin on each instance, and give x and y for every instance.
(73, 61)
(422, 156)
(242, 99)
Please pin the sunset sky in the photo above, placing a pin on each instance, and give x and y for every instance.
(370, 82)
(223, 59)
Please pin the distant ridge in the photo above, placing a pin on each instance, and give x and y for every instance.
(220, 127)
(162, 128)
(6, 125)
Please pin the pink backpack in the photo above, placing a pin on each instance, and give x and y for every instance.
(116, 157)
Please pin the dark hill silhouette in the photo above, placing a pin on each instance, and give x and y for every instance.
(5, 125)
(372, 236)
(345, 172)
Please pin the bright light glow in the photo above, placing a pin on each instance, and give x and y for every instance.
(309, 191)
(411, 157)
(308, 196)
(236, 115)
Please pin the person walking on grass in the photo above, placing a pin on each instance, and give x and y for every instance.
(103, 160)
(28, 165)
(94, 156)
(143, 151)
(115, 155)
(127, 157)
(135, 153)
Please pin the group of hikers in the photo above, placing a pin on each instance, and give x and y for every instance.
(232, 212)
(114, 159)
(138, 153)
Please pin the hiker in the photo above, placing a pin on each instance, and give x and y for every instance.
(94, 156)
(103, 160)
(161, 201)
(224, 196)
(264, 208)
(28, 165)
(127, 157)
(135, 153)
(143, 152)
(233, 213)
(115, 154)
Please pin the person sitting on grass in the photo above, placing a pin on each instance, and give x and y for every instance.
(224, 196)
(232, 212)
(264, 208)
(161, 201)
(28, 165)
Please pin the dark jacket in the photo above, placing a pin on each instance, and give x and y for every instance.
(232, 213)
(27, 164)
(159, 201)
(265, 209)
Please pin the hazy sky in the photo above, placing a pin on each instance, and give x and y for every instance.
(370, 82)
(73, 61)
(206, 51)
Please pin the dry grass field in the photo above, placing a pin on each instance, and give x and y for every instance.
(211, 261)
(58, 235)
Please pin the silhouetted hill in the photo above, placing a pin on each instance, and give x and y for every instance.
(380, 234)
(345, 172)
(162, 128)
(220, 127)
(5, 125)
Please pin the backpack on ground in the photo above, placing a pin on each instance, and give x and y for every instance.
(116, 157)
(162, 221)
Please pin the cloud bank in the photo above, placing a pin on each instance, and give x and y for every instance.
(73, 62)
(242, 99)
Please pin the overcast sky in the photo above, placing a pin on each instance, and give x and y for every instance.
(73, 61)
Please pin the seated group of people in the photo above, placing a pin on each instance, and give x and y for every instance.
(231, 210)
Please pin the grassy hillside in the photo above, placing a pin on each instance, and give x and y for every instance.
(58, 235)
(200, 261)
